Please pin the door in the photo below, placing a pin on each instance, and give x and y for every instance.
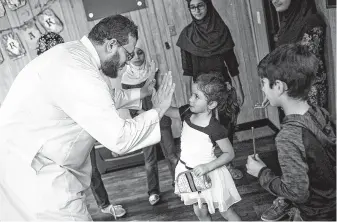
(263, 40)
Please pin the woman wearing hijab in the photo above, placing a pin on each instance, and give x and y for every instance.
(135, 76)
(207, 46)
(300, 23)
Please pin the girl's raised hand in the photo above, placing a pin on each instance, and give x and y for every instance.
(201, 170)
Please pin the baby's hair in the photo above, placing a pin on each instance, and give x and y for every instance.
(215, 88)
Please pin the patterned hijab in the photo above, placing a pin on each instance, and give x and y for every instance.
(47, 41)
(134, 75)
(300, 17)
(207, 37)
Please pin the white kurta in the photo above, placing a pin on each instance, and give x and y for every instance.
(58, 105)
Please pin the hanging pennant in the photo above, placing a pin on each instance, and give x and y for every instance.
(50, 21)
(15, 4)
(11, 42)
(1, 58)
(31, 33)
(2, 10)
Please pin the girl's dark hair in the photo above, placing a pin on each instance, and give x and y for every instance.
(215, 88)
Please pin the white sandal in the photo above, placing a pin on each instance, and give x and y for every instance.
(154, 198)
(115, 210)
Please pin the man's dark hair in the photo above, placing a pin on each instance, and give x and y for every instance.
(292, 64)
(114, 27)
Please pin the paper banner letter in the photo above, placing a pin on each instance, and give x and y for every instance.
(13, 45)
(15, 4)
(2, 10)
(50, 21)
(31, 34)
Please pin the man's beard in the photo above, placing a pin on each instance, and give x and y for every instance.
(111, 66)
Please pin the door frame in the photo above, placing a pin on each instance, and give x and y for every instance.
(262, 48)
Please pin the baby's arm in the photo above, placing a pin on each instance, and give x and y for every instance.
(227, 156)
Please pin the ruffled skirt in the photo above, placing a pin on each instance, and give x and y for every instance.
(221, 195)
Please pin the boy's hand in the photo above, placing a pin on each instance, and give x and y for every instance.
(201, 170)
(254, 165)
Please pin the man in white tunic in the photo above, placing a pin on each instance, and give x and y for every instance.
(58, 105)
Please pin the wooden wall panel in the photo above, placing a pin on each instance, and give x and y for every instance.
(236, 16)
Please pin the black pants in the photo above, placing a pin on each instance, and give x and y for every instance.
(97, 186)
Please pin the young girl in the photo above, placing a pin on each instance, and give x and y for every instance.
(200, 133)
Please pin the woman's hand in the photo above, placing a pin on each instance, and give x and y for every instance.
(201, 170)
(239, 92)
(152, 69)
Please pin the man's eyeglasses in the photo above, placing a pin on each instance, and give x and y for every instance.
(129, 55)
(198, 7)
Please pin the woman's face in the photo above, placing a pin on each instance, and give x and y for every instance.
(198, 9)
(139, 57)
(281, 5)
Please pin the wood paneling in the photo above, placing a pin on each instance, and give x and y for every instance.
(258, 24)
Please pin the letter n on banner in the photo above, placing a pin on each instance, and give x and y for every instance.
(12, 43)
(50, 21)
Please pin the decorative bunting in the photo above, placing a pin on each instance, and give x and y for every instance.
(1, 58)
(2, 10)
(15, 4)
(31, 34)
(29, 30)
(11, 42)
(50, 21)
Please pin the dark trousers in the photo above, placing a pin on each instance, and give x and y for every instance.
(150, 156)
(97, 186)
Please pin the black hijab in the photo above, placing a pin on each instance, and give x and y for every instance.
(300, 17)
(207, 37)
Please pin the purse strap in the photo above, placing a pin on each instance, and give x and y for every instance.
(187, 167)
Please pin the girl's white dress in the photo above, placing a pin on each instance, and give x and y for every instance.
(197, 147)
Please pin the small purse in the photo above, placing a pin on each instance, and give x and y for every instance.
(188, 182)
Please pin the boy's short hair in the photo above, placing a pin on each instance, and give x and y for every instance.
(293, 64)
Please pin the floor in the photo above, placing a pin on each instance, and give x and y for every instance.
(128, 187)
